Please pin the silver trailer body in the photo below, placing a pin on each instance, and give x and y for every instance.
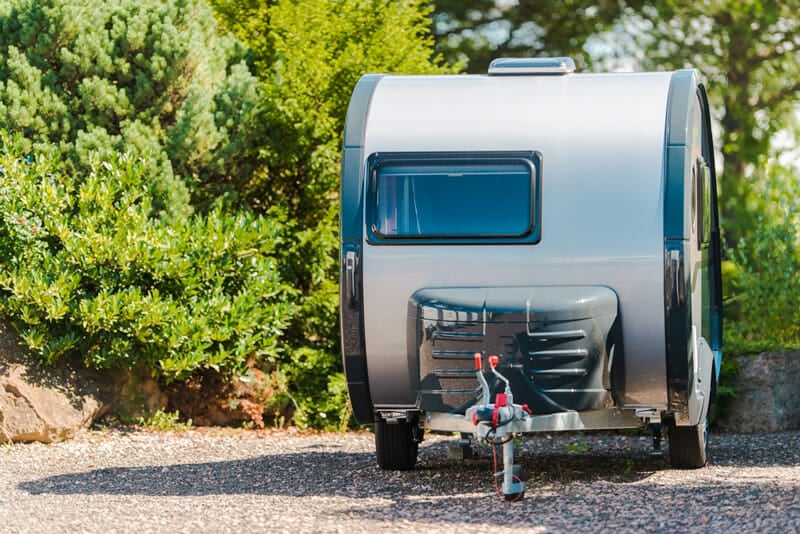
(621, 197)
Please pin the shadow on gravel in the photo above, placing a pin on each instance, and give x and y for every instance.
(353, 475)
(608, 460)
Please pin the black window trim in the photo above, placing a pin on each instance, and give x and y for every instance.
(531, 158)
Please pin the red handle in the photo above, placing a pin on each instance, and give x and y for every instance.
(478, 364)
(493, 361)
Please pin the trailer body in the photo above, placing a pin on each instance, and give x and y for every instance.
(565, 222)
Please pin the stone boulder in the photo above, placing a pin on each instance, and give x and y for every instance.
(767, 394)
(44, 403)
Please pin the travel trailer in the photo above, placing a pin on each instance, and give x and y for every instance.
(532, 250)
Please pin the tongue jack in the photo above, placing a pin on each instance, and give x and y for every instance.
(491, 422)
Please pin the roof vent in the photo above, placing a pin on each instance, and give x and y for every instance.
(531, 66)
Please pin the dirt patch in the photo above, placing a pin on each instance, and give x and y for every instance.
(210, 398)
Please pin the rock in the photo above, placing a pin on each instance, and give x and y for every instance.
(34, 413)
(767, 394)
(44, 403)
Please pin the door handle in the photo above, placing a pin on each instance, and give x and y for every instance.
(678, 289)
(350, 266)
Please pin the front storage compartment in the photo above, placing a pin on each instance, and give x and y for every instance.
(560, 347)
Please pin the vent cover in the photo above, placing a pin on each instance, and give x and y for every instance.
(509, 66)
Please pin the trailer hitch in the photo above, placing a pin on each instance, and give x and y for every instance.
(491, 422)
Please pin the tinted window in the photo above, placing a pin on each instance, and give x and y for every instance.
(447, 198)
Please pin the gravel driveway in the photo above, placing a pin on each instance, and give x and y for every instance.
(211, 480)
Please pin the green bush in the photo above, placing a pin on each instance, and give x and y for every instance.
(762, 290)
(164, 421)
(87, 270)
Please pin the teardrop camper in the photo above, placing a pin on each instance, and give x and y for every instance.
(532, 250)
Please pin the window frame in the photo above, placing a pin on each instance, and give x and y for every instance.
(532, 159)
(704, 177)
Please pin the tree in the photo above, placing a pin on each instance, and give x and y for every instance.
(750, 53)
(116, 113)
(479, 31)
(144, 76)
(309, 56)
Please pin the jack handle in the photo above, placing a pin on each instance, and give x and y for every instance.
(493, 361)
(481, 378)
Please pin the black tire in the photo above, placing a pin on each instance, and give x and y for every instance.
(395, 446)
(687, 445)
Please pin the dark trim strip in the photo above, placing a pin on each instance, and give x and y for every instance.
(677, 231)
(354, 355)
(715, 250)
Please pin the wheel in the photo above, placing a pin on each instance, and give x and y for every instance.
(395, 445)
(687, 445)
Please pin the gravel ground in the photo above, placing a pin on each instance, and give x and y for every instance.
(217, 480)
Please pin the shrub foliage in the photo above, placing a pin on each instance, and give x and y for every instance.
(85, 268)
(763, 286)
(82, 79)
(762, 275)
